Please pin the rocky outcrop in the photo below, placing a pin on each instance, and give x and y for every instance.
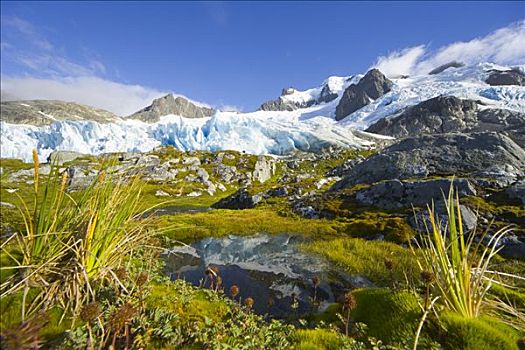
(326, 95)
(393, 194)
(80, 176)
(46, 112)
(445, 114)
(241, 199)
(284, 104)
(517, 191)
(507, 77)
(442, 68)
(485, 155)
(280, 105)
(170, 104)
(61, 157)
(441, 114)
(421, 220)
(264, 169)
(372, 86)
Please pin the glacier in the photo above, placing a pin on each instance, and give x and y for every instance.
(263, 132)
(255, 133)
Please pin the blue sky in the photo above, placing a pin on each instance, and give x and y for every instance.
(234, 53)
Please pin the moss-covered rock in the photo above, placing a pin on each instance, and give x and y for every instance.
(395, 229)
(475, 334)
(390, 316)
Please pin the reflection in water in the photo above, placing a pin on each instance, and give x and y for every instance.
(283, 281)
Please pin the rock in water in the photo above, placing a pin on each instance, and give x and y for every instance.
(170, 104)
(372, 86)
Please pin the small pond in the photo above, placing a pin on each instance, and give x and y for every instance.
(268, 268)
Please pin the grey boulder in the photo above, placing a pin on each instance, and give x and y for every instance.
(61, 157)
(392, 194)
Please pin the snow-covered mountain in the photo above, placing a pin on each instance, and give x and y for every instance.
(297, 120)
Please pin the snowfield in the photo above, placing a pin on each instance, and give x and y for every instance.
(262, 132)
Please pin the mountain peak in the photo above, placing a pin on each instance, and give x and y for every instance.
(171, 104)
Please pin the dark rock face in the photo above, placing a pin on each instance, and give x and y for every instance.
(513, 247)
(326, 95)
(279, 105)
(517, 191)
(372, 86)
(46, 112)
(441, 114)
(392, 194)
(485, 155)
(508, 77)
(444, 114)
(453, 64)
(239, 200)
(170, 104)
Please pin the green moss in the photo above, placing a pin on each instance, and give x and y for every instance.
(358, 256)
(10, 165)
(390, 316)
(7, 254)
(474, 334)
(512, 212)
(10, 315)
(395, 229)
(222, 222)
(318, 339)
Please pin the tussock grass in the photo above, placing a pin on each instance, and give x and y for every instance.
(70, 245)
(460, 265)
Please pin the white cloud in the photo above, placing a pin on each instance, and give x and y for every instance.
(36, 53)
(28, 31)
(400, 62)
(121, 99)
(503, 46)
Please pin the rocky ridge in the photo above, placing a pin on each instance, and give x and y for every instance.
(46, 112)
(171, 104)
(445, 114)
